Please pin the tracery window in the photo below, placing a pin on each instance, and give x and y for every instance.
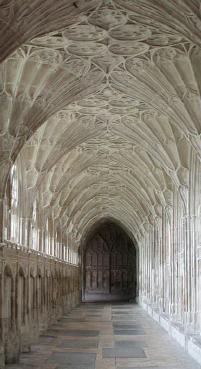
(6, 216)
(14, 204)
(34, 226)
(14, 182)
(27, 227)
(34, 211)
(47, 237)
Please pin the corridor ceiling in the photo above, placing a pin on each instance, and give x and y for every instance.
(100, 102)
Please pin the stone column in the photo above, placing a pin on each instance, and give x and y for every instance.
(1, 219)
(23, 230)
(2, 356)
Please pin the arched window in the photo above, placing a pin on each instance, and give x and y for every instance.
(34, 211)
(14, 204)
(14, 187)
(34, 226)
(6, 209)
(47, 243)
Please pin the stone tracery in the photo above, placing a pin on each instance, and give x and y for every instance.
(101, 114)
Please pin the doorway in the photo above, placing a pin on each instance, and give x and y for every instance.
(109, 264)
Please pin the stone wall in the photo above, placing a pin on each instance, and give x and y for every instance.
(34, 292)
(170, 263)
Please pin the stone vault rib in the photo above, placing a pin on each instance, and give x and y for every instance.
(21, 21)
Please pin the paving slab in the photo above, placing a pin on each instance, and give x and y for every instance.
(81, 344)
(128, 332)
(74, 332)
(105, 336)
(134, 352)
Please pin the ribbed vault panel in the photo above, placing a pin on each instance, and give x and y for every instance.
(104, 110)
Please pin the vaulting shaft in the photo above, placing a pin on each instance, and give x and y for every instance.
(100, 106)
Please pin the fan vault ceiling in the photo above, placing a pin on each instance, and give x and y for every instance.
(100, 103)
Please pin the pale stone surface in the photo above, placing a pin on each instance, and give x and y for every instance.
(34, 292)
(153, 350)
(100, 119)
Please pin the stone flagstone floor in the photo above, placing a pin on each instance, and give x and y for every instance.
(106, 336)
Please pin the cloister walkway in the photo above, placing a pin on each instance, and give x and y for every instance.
(106, 336)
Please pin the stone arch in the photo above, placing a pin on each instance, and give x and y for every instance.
(8, 298)
(92, 225)
(9, 308)
(32, 293)
(49, 276)
(47, 287)
(21, 282)
(39, 291)
(109, 263)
